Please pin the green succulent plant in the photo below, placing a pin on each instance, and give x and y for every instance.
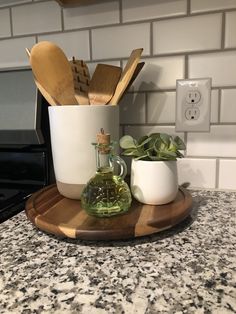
(156, 146)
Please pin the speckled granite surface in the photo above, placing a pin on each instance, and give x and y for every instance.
(188, 269)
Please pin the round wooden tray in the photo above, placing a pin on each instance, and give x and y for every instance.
(53, 213)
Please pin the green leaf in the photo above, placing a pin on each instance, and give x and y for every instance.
(180, 143)
(144, 140)
(165, 138)
(127, 141)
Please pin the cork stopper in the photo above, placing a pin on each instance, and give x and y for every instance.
(103, 139)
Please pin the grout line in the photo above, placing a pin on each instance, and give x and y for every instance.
(62, 20)
(219, 104)
(11, 22)
(120, 12)
(90, 45)
(188, 8)
(223, 31)
(217, 172)
(151, 39)
(186, 66)
(146, 108)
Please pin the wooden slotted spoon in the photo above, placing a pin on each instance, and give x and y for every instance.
(126, 75)
(43, 91)
(81, 80)
(53, 72)
(103, 83)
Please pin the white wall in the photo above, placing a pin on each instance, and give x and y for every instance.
(181, 39)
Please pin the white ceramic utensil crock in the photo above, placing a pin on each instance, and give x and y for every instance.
(73, 129)
(154, 182)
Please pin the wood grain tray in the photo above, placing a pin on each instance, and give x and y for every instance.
(53, 213)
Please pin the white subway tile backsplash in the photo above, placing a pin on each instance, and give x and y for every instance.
(138, 131)
(5, 28)
(136, 10)
(220, 66)
(230, 30)
(200, 32)
(36, 18)
(132, 108)
(219, 142)
(214, 106)
(227, 171)
(160, 73)
(119, 41)
(209, 5)
(91, 15)
(228, 106)
(161, 107)
(72, 43)
(197, 172)
(12, 52)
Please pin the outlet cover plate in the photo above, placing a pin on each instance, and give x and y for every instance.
(193, 102)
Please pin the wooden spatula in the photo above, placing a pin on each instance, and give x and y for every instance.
(81, 80)
(53, 72)
(126, 75)
(103, 83)
(45, 94)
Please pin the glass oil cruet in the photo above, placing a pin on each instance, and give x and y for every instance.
(106, 194)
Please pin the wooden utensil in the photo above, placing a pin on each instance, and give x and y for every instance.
(103, 83)
(53, 71)
(45, 94)
(127, 75)
(81, 80)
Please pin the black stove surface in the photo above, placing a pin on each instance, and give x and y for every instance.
(12, 200)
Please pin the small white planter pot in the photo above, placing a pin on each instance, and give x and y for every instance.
(154, 182)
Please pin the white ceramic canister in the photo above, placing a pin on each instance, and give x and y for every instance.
(154, 182)
(73, 129)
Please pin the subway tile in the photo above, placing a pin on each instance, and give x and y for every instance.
(119, 41)
(160, 73)
(4, 3)
(230, 30)
(138, 131)
(220, 66)
(219, 142)
(91, 15)
(12, 52)
(187, 34)
(36, 18)
(227, 177)
(199, 173)
(214, 106)
(209, 5)
(161, 107)
(228, 106)
(5, 28)
(132, 108)
(137, 10)
(72, 43)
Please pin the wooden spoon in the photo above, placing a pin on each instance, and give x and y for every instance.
(136, 73)
(127, 75)
(103, 83)
(45, 94)
(52, 70)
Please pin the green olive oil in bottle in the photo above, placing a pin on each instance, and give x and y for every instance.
(106, 194)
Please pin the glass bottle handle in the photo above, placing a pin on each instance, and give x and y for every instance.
(122, 164)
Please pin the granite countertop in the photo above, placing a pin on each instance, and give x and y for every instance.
(187, 269)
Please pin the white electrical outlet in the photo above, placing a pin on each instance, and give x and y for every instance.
(193, 102)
